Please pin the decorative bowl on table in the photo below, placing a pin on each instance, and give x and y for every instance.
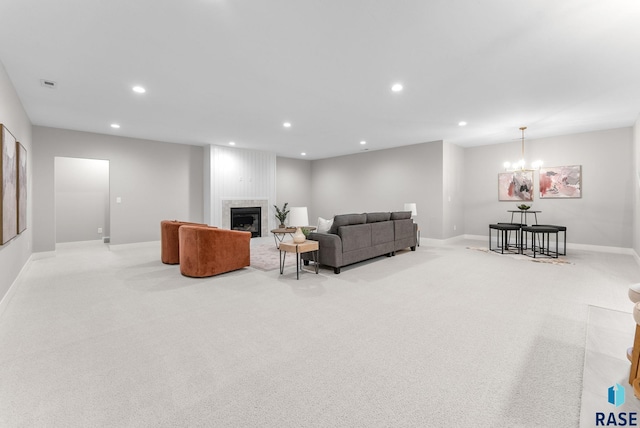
(523, 207)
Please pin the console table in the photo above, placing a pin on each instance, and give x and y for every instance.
(523, 215)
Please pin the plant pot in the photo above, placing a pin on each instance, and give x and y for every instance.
(282, 226)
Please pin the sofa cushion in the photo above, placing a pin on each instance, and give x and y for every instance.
(346, 220)
(382, 232)
(400, 215)
(355, 237)
(376, 217)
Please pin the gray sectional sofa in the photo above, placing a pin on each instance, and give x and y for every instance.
(357, 237)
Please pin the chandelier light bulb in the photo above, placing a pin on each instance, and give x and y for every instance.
(536, 165)
(521, 164)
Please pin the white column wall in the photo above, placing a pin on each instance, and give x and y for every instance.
(238, 174)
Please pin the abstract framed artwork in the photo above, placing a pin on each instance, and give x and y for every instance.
(515, 186)
(9, 196)
(561, 182)
(22, 187)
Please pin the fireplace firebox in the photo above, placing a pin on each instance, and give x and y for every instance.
(248, 219)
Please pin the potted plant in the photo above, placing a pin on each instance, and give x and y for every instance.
(281, 214)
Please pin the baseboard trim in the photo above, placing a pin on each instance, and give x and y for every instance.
(601, 249)
(4, 302)
(433, 241)
(476, 237)
(585, 247)
(43, 255)
(133, 245)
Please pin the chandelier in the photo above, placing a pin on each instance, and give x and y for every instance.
(521, 164)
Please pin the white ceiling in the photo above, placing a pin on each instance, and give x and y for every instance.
(235, 70)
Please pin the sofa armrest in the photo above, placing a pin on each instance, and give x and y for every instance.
(330, 249)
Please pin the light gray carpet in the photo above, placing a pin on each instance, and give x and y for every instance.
(444, 336)
(609, 334)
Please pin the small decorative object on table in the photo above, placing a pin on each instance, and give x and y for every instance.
(523, 207)
(281, 214)
(299, 218)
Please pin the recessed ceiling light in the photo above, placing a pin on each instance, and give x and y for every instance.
(397, 87)
(363, 142)
(115, 125)
(139, 89)
(232, 143)
(303, 154)
(287, 124)
(463, 123)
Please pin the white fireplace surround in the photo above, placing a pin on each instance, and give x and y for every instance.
(239, 178)
(227, 204)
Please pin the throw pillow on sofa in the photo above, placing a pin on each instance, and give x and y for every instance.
(324, 225)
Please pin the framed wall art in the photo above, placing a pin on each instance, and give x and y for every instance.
(22, 187)
(561, 182)
(515, 186)
(9, 196)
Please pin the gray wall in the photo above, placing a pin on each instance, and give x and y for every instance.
(154, 180)
(82, 205)
(293, 184)
(636, 187)
(382, 180)
(604, 214)
(15, 253)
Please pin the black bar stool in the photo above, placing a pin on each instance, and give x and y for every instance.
(542, 233)
(520, 225)
(562, 229)
(502, 237)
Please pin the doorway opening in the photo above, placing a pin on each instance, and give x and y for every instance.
(81, 200)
